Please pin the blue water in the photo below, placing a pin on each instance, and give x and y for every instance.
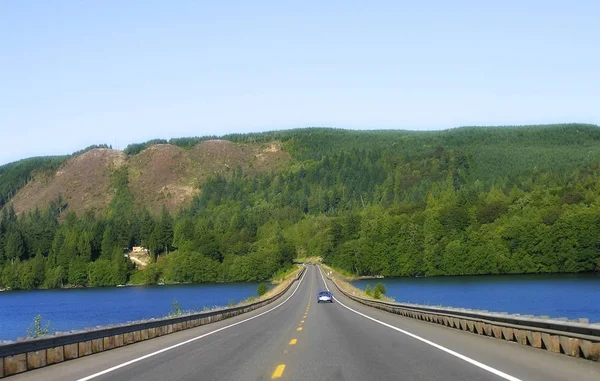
(84, 308)
(566, 295)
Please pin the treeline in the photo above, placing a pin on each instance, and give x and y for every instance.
(466, 201)
(186, 143)
(89, 148)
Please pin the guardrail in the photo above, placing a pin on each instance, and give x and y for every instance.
(33, 354)
(577, 339)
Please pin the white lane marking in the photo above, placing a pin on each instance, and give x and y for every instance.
(449, 351)
(188, 341)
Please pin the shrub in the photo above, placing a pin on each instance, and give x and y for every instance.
(36, 329)
(175, 308)
(380, 287)
(262, 289)
(368, 290)
(379, 290)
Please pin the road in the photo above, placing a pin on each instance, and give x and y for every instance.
(298, 339)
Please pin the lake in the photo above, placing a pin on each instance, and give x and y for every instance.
(564, 295)
(84, 308)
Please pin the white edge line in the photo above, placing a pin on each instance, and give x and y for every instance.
(95, 375)
(449, 351)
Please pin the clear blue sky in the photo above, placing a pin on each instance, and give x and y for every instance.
(75, 73)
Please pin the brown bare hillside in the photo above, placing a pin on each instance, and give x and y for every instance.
(83, 182)
(161, 174)
(165, 174)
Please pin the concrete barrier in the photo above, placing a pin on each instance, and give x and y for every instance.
(33, 354)
(572, 338)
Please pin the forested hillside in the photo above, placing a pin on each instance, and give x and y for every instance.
(396, 203)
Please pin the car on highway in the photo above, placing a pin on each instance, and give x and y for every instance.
(324, 297)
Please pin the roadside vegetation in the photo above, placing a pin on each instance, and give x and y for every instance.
(38, 328)
(262, 289)
(391, 203)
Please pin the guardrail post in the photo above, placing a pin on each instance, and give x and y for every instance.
(569, 345)
(71, 351)
(487, 328)
(97, 345)
(127, 338)
(551, 342)
(15, 364)
(85, 348)
(479, 328)
(55, 355)
(591, 351)
(108, 343)
(508, 334)
(36, 359)
(119, 340)
(535, 339)
(520, 336)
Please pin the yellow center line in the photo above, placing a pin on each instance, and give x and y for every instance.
(304, 317)
(293, 341)
(299, 329)
(278, 371)
(302, 321)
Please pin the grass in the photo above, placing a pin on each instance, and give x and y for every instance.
(283, 274)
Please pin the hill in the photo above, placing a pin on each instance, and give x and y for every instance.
(161, 174)
(469, 200)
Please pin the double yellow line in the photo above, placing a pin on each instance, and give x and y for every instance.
(278, 373)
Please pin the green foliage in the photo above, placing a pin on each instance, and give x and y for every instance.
(262, 289)
(489, 212)
(369, 290)
(379, 290)
(188, 143)
(36, 330)
(134, 149)
(175, 309)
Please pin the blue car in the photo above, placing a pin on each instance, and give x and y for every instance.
(324, 297)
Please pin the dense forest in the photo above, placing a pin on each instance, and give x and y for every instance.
(395, 203)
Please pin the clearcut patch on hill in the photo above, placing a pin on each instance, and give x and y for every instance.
(168, 175)
(83, 182)
(160, 175)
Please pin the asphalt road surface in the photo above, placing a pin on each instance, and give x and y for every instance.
(296, 338)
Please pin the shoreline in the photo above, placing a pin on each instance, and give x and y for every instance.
(271, 281)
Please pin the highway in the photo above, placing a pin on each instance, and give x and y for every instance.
(296, 338)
